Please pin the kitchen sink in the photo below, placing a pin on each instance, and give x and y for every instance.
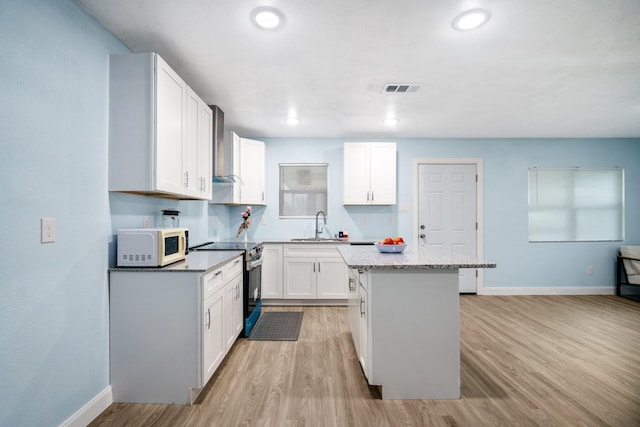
(316, 239)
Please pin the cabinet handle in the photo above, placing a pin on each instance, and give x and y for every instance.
(367, 196)
(372, 196)
(208, 318)
(314, 267)
(361, 309)
(318, 266)
(351, 282)
(263, 196)
(237, 261)
(186, 179)
(219, 272)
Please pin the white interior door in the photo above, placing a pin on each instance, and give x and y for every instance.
(447, 212)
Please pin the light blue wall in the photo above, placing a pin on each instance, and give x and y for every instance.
(54, 339)
(54, 138)
(506, 164)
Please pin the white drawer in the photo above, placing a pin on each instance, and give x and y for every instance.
(311, 250)
(212, 281)
(233, 268)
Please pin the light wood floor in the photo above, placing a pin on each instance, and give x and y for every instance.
(525, 360)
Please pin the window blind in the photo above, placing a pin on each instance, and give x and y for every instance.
(576, 204)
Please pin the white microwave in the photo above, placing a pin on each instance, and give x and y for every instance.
(151, 247)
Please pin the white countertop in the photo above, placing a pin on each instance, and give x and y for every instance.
(413, 258)
(195, 262)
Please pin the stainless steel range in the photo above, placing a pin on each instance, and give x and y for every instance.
(252, 276)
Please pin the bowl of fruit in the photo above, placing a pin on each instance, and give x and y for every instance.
(391, 245)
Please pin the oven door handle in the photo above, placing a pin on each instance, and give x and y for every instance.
(253, 264)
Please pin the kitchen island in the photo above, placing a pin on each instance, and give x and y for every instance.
(404, 319)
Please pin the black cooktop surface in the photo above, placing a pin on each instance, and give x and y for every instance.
(225, 246)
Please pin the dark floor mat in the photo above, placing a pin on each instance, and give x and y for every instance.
(277, 326)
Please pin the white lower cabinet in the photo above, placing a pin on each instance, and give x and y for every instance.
(170, 330)
(314, 271)
(358, 313)
(233, 308)
(213, 339)
(363, 356)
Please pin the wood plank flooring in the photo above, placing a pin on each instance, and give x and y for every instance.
(525, 360)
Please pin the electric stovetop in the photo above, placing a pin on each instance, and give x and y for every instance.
(225, 246)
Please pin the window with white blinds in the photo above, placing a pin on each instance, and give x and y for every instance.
(303, 190)
(576, 204)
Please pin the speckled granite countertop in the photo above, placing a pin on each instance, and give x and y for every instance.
(196, 262)
(276, 240)
(422, 257)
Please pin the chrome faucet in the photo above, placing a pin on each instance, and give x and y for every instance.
(319, 232)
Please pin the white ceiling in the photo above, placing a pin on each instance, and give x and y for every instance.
(538, 68)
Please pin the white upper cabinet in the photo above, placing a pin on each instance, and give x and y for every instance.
(198, 149)
(158, 128)
(248, 159)
(369, 173)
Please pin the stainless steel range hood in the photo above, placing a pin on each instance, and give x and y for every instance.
(222, 151)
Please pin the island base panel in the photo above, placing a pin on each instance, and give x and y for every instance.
(415, 338)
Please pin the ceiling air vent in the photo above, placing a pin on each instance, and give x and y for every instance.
(400, 88)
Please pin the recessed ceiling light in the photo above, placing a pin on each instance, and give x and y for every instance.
(267, 18)
(390, 121)
(293, 120)
(471, 19)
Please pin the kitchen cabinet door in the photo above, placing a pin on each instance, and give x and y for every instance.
(331, 282)
(272, 284)
(353, 309)
(233, 310)
(369, 173)
(247, 158)
(197, 148)
(299, 278)
(171, 95)
(363, 356)
(383, 173)
(357, 165)
(213, 337)
(205, 150)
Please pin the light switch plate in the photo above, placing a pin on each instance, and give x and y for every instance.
(47, 230)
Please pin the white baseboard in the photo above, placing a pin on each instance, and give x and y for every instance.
(91, 410)
(549, 290)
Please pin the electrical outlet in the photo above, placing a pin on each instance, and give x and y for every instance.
(146, 222)
(589, 270)
(47, 230)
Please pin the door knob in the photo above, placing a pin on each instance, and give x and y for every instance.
(422, 235)
(422, 227)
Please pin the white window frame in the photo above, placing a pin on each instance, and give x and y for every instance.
(311, 215)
